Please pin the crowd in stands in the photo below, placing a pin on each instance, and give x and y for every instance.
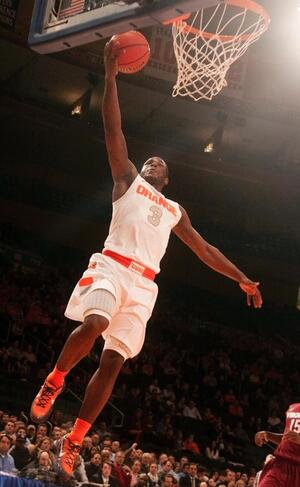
(192, 400)
(30, 451)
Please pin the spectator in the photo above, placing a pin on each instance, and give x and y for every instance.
(42, 430)
(191, 411)
(31, 432)
(153, 475)
(167, 468)
(20, 452)
(190, 479)
(95, 437)
(168, 481)
(56, 433)
(86, 448)
(43, 444)
(79, 473)
(191, 445)
(212, 451)
(115, 446)
(93, 469)
(146, 461)
(10, 429)
(135, 472)
(43, 471)
(122, 477)
(106, 478)
(7, 463)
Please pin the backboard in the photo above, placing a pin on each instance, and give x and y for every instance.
(57, 25)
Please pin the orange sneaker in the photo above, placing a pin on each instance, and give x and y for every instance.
(43, 403)
(67, 452)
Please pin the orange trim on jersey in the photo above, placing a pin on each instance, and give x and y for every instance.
(86, 281)
(131, 264)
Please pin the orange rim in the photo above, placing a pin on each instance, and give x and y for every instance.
(248, 4)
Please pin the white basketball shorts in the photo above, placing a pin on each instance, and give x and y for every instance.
(135, 298)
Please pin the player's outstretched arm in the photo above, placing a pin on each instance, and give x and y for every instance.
(123, 171)
(212, 257)
(263, 437)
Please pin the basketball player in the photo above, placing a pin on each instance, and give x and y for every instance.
(117, 292)
(284, 469)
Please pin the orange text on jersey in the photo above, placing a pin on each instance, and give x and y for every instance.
(159, 200)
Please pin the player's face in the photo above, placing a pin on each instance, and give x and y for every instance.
(155, 171)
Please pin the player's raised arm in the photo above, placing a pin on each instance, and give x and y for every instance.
(123, 171)
(213, 258)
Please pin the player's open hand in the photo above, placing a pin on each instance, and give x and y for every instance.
(261, 438)
(111, 52)
(253, 294)
(292, 436)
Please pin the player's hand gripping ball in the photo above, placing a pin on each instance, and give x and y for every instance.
(133, 51)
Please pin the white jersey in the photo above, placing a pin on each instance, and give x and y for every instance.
(141, 224)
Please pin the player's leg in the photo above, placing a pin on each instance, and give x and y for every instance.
(124, 339)
(100, 305)
(97, 394)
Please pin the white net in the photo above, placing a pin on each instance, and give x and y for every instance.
(209, 41)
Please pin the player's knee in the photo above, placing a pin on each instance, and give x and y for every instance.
(96, 324)
(111, 360)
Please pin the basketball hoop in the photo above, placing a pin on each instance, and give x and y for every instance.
(208, 41)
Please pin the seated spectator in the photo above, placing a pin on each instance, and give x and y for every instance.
(43, 469)
(56, 433)
(153, 479)
(135, 472)
(10, 429)
(122, 477)
(168, 481)
(86, 448)
(42, 430)
(43, 444)
(230, 476)
(183, 470)
(7, 463)
(163, 457)
(93, 469)
(20, 452)
(95, 437)
(106, 477)
(167, 468)
(146, 461)
(190, 479)
(191, 445)
(191, 411)
(212, 451)
(106, 455)
(31, 432)
(115, 446)
(79, 472)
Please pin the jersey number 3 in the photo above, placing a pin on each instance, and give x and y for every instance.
(155, 215)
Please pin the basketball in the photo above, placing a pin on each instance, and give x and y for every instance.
(134, 51)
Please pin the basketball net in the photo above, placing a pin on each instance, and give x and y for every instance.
(207, 42)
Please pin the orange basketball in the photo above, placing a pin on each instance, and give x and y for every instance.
(134, 51)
